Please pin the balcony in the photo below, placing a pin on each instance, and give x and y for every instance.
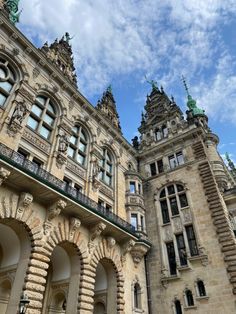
(42, 176)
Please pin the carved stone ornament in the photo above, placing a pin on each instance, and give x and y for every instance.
(177, 224)
(74, 226)
(17, 118)
(36, 72)
(61, 160)
(111, 242)
(55, 210)
(97, 230)
(127, 247)
(168, 234)
(25, 200)
(137, 252)
(4, 173)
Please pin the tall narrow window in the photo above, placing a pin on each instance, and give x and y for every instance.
(153, 169)
(160, 166)
(174, 206)
(7, 81)
(189, 298)
(137, 296)
(132, 187)
(106, 168)
(165, 212)
(42, 117)
(171, 257)
(201, 288)
(164, 131)
(192, 240)
(134, 221)
(178, 308)
(78, 145)
(181, 249)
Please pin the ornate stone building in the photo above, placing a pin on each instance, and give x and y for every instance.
(88, 222)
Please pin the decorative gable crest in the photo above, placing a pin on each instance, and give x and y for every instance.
(60, 53)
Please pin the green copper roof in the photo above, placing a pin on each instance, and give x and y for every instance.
(191, 103)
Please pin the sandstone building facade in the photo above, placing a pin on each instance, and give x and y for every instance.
(92, 224)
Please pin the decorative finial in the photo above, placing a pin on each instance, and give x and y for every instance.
(185, 85)
(152, 83)
(230, 162)
(109, 89)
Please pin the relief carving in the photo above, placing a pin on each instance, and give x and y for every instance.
(36, 141)
(74, 226)
(25, 200)
(18, 116)
(127, 247)
(53, 212)
(95, 233)
(4, 173)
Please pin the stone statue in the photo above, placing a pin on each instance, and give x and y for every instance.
(152, 83)
(135, 142)
(230, 162)
(96, 168)
(19, 112)
(63, 143)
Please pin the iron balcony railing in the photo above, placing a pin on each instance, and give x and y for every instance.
(32, 169)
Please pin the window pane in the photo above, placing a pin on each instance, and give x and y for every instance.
(82, 135)
(6, 86)
(36, 110)
(174, 206)
(180, 188)
(153, 169)
(160, 166)
(134, 221)
(172, 162)
(49, 120)
(82, 147)
(158, 135)
(163, 193)
(50, 108)
(101, 175)
(171, 257)
(44, 132)
(3, 73)
(192, 241)
(164, 211)
(171, 189)
(132, 187)
(2, 99)
(164, 131)
(180, 158)
(73, 139)
(181, 249)
(71, 152)
(108, 179)
(80, 159)
(32, 123)
(108, 167)
(183, 200)
(75, 129)
(41, 99)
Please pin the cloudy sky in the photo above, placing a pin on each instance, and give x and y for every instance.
(119, 42)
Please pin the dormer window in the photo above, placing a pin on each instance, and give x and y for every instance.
(161, 132)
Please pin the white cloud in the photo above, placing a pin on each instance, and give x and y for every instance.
(161, 39)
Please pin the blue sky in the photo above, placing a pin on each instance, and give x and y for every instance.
(119, 42)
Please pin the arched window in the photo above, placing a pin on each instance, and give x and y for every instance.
(189, 297)
(42, 117)
(106, 167)
(172, 198)
(137, 296)
(78, 145)
(201, 288)
(178, 308)
(7, 81)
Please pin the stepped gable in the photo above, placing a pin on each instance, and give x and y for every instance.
(107, 106)
(60, 53)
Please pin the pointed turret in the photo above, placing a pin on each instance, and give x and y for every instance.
(107, 106)
(60, 53)
(195, 115)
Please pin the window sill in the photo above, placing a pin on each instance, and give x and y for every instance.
(174, 216)
(77, 163)
(204, 297)
(183, 268)
(193, 307)
(138, 311)
(170, 278)
(166, 224)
